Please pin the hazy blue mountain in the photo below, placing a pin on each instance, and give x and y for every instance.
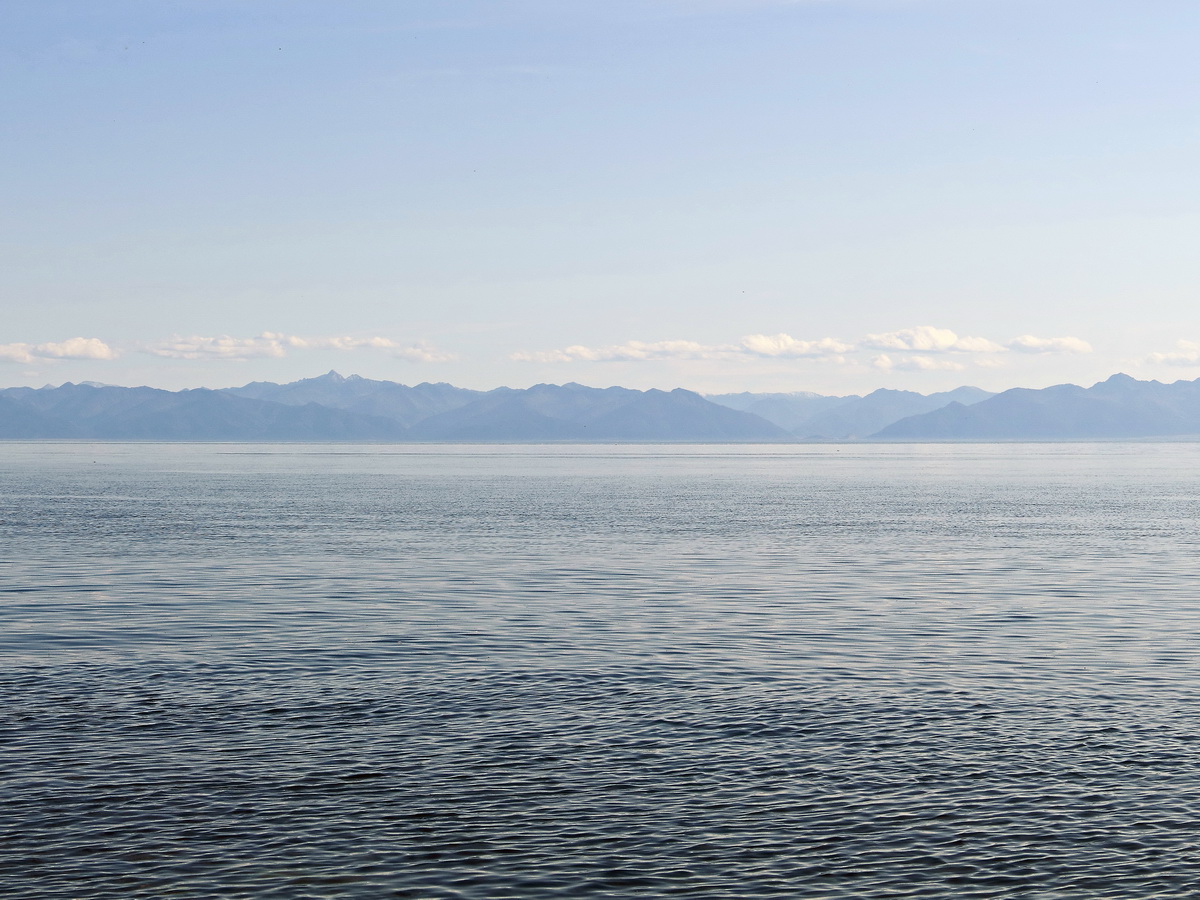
(967, 395)
(788, 411)
(116, 413)
(544, 412)
(214, 415)
(862, 416)
(19, 421)
(79, 403)
(575, 412)
(1121, 407)
(404, 404)
(504, 414)
(821, 417)
(681, 415)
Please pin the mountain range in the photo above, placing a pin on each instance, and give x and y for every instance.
(817, 417)
(333, 407)
(1119, 408)
(337, 408)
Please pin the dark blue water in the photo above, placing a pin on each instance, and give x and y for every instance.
(521, 672)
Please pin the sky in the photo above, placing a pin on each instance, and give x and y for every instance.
(721, 195)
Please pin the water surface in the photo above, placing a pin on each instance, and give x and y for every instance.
(623, 671)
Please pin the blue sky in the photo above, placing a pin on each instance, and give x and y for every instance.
(833, 195)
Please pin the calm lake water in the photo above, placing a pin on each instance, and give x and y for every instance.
(491, 672)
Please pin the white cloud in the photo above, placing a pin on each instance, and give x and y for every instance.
(423, 352)
(631, 351)
(77, 348)
(224, 347)
(72, 348)
(1027, 343)
(922, 340)
(916, 363)
(273, 344)
(1187, 354)
(16, 353)
(567, 354)
(778, 345)
(989, 362)
(788, 346)
(927, 339)
(333, 343)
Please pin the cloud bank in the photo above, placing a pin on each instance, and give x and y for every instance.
(72, 348)
(1027, 343)
(916, 364)
(1187, 353)
(935, 347)
(634, 350)
(273, 344)
(927, 339)
(424, 352)
(784, 345)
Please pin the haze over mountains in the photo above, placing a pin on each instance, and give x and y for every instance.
(1120, 407)
(332, 407)
(818, 417)
(544, 412)
(337, 408)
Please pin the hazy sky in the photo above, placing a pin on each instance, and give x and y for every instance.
(831, 195)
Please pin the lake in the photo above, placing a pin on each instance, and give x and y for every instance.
(510, 671)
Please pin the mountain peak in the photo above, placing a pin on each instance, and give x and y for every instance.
(1119, 384)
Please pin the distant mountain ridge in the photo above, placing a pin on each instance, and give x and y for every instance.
(333, 407)
(574, 412)
(143, 413)
(816, 417)
(399, 402)
(1119, 407)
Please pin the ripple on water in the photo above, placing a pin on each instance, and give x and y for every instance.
(960, 672)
